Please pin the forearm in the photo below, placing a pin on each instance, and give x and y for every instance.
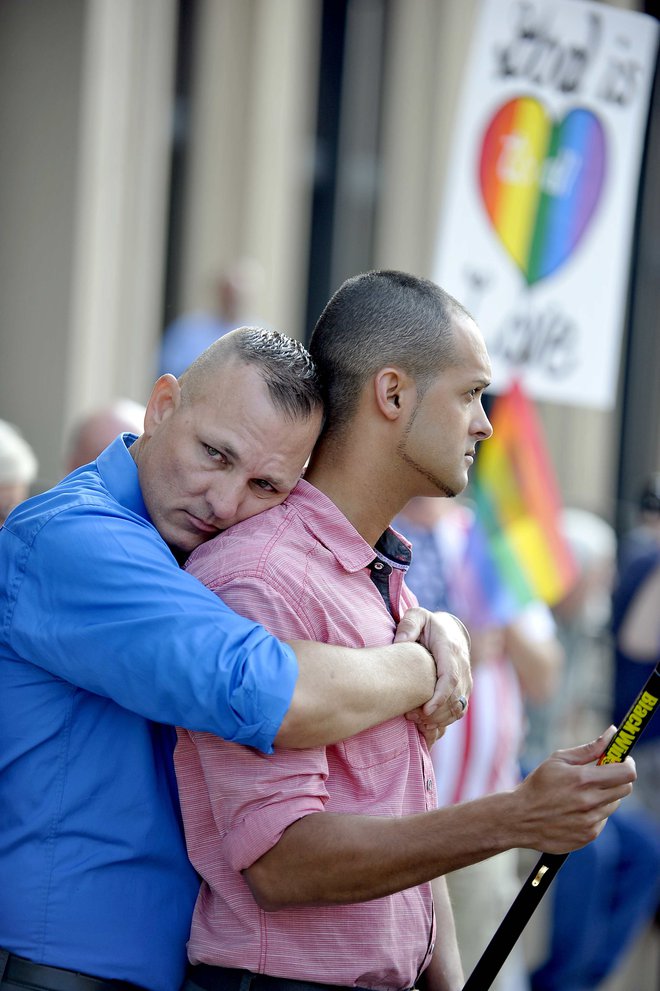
(445, 971)
(341, 691)
(328, 859)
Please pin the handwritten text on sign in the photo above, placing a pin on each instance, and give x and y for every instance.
(542, 188)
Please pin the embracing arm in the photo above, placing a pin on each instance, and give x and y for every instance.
(126, 623)
(341, 691)
(324, 859)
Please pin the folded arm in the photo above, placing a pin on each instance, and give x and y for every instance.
(341, 691)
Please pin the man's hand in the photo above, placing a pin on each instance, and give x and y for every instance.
(447, 641)
(568, 798)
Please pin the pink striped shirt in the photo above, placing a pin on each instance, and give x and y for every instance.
(302, 571)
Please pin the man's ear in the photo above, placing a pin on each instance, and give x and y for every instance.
(164, 400)
(393, 390)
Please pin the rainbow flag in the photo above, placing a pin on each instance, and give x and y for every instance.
(484, 598)
(517, 504)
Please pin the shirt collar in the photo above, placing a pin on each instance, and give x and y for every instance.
(393, 548)
(339, 536)
(119, 473)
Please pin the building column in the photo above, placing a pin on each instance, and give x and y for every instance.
(121, 209)
(248, 177)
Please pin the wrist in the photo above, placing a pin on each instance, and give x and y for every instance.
(464, 629)
(503, 811)
(423, 669)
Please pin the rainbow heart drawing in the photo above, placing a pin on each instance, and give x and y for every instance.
(541, 181)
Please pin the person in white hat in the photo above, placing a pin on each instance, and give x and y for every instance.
(18, 468)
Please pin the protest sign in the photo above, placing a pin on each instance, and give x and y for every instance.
(542, 190)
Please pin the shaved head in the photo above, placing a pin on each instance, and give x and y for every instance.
(284, 364)
(377, 319)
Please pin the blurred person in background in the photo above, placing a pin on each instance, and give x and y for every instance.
(97, 429)
(636, 633)
(18, 468)
(605, 895)
(515, 656)
(234, 293)
(644, 534)
(582, 616)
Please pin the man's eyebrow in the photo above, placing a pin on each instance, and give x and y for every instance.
(222, 446)
(278, 482)
(228, 450)
(231, 453)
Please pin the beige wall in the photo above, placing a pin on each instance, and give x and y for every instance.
(84, 114)
(40, 73)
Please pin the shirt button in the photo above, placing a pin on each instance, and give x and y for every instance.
(378, 566)
(429, 784)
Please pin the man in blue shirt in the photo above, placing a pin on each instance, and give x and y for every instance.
(105, 643)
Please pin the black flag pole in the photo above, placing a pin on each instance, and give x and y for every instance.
(539, 880)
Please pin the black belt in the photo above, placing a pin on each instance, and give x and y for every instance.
(230, 979)
(17, 970)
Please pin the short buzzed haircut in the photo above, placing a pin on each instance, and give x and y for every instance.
(293, 383)
(377, 319)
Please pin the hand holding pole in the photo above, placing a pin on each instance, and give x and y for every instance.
(537, 883)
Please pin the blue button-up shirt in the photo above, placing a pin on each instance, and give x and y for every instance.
(103, 639)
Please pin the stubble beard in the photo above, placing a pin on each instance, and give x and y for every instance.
(442, 487)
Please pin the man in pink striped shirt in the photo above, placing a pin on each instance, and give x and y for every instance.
(318, 867)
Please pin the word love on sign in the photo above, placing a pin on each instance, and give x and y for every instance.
(541, 181)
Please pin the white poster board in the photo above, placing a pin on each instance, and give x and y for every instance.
(535, 238)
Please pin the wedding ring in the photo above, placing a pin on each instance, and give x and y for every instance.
(462, 701)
